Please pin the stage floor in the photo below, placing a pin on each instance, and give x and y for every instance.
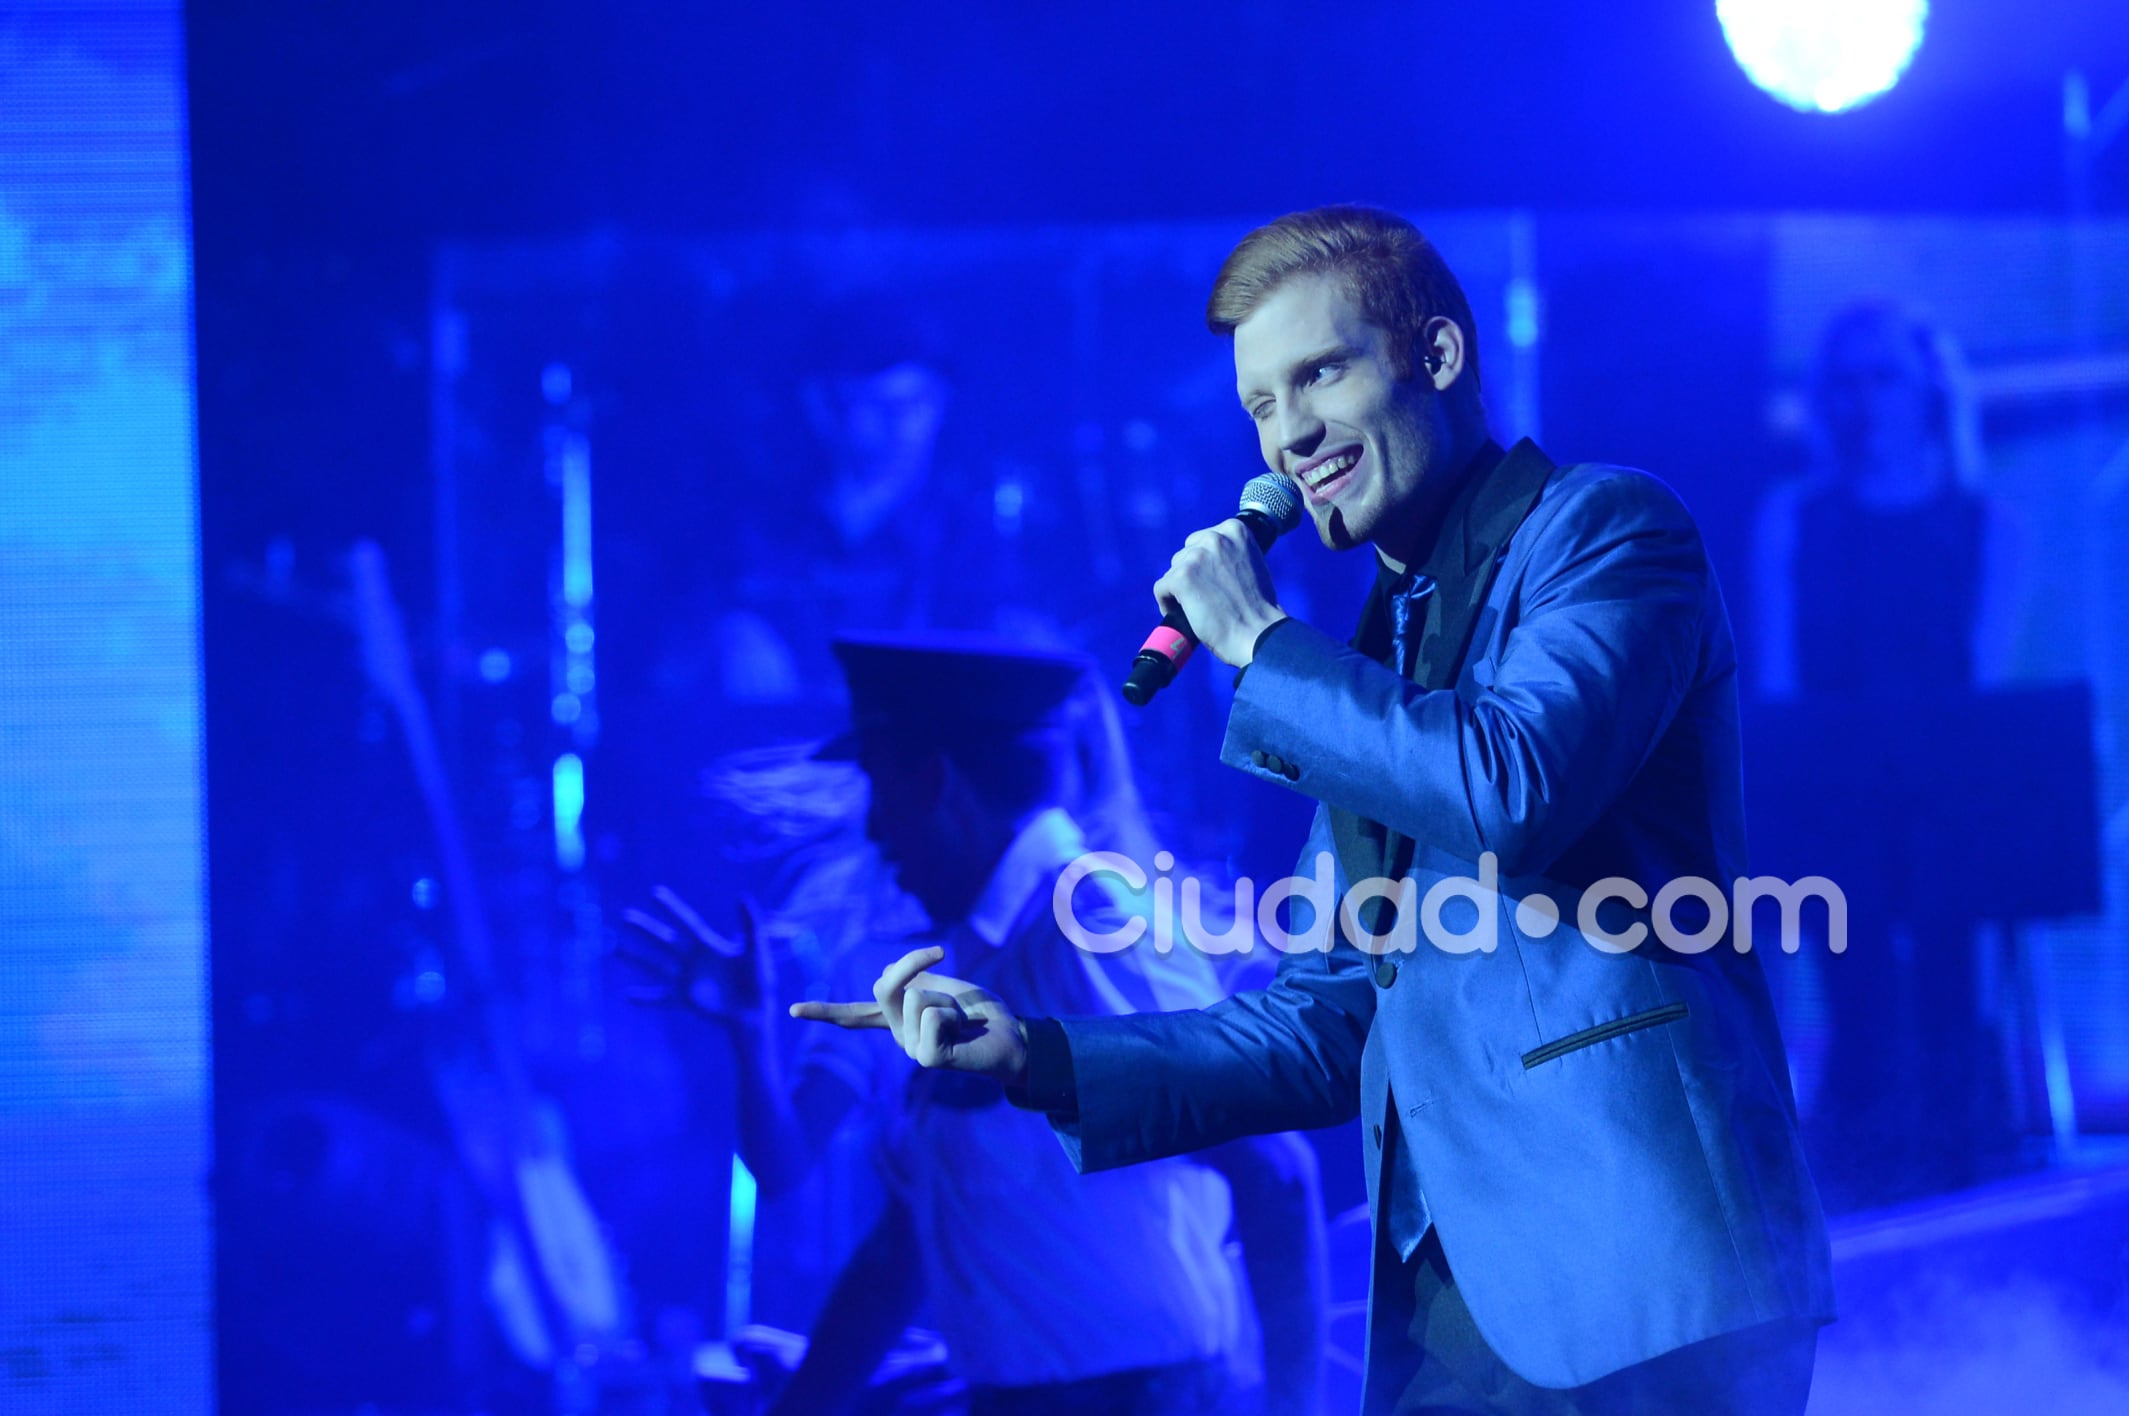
(2010, 1298)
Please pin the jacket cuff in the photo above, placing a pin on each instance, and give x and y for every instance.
(1050, 1084)
(1257, 648)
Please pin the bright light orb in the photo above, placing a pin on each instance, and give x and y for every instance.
(1823, 56)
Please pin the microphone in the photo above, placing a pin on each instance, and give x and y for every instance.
(1271, 507)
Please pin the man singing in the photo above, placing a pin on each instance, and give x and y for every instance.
(1582, 1151)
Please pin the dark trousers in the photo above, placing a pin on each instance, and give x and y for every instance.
(1915, 1099)
(1428, 1359)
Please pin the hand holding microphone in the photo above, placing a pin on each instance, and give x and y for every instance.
(1217, 590)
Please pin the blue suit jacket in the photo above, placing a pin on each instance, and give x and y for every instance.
(1605, 1141)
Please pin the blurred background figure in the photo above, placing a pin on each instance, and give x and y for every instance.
(852, 523)
(990, 767)
(1888, 577)
(844, 516)
(1887, 569)
(818, 901)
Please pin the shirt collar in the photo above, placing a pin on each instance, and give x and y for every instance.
(1452, 539)
(1049, 841)
(1396, 582)
(1497, 490)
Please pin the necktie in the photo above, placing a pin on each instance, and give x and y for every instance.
(1408, 619)
(1404, 1204)
(1408, 622)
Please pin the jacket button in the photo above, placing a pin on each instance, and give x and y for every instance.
(1256, 757)
(1378, 1135)
(1293, 773)
(1385, 972)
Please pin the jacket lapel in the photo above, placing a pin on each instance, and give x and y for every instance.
(1466, 556)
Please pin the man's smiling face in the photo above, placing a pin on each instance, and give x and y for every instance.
(1332, 413)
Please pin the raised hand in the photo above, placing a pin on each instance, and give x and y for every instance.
(938, 1020)
(1220, 580)
(687, 964)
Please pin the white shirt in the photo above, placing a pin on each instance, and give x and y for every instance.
(1036, 1273)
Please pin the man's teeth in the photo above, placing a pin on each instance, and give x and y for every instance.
(1341, 463)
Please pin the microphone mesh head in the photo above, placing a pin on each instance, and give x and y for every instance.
(1274, 494)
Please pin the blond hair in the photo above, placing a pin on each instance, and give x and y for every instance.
(1391, 272)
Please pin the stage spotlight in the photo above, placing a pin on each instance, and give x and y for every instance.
(1823, 56)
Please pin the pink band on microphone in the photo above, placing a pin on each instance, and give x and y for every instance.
(1170, 644)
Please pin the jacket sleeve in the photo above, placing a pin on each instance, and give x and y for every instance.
(1606, 643)
(1280, 1058)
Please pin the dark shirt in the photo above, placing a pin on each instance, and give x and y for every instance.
(1887, 598)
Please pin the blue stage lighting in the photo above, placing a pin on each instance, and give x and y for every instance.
(1823, 56)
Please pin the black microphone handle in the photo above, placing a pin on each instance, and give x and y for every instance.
(1165, 651)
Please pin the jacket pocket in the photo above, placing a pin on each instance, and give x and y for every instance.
(1590, 1037)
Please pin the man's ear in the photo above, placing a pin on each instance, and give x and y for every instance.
(1441, 352)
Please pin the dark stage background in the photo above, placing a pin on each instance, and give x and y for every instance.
(506, 318)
